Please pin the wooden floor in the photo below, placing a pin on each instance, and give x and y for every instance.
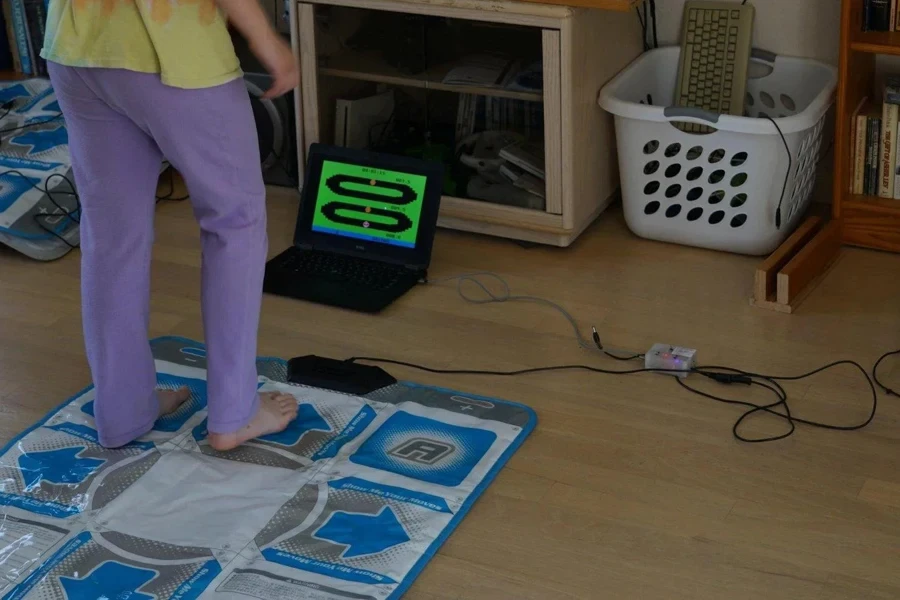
(630, 487)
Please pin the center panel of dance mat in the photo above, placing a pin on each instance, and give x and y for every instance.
(349, 502)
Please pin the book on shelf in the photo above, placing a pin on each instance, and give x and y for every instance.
(875, 135)
(881, 15)
(25, 22)
(6, 58)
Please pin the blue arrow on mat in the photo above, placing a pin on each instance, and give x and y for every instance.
(363, 534)
(13, 92)
(62, 466)
(12, 187)
(308, 419)
(109, 581)
(42, 141)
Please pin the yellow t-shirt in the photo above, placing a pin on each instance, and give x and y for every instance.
(185, 41)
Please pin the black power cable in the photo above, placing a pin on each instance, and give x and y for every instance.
(170, 195)
(722, 375)
(73, 215)
(887, 390)
(787, 175)
(648, 23)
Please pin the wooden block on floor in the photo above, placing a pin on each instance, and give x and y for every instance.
(792, 272)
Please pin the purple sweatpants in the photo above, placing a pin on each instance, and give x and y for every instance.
(121, 125)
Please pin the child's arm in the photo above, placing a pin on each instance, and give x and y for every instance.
(251, 21)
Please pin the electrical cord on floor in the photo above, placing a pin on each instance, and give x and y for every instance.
(729, 375)
(886, 389)
(28, 125)
(170, 195)
(506, 295)
(722, 375)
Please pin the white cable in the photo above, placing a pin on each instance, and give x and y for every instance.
(506, 296)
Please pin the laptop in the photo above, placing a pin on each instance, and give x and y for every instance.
(364, 232)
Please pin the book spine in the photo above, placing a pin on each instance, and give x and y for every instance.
(888, 152)
(874, 162)
(859, 156)
(867, 166)
(897, 167)
(867, 163)
(881, 15)
(21, 34)
(42, 10)
(11, 35)
(35, 19)
(874, 153)
(892, 21)
(5, 51)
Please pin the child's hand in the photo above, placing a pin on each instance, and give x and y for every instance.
(279, 60)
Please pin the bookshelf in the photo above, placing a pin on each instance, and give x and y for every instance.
(866, 221)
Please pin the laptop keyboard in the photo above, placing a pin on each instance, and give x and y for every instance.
(374, 276)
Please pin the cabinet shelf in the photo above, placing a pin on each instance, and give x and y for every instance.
(615, 5)
(874, 204)
(370, 66)
(877, 42)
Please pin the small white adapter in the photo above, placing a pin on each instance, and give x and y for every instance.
(671, 360)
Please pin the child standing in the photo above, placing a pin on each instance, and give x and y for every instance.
(140, 81)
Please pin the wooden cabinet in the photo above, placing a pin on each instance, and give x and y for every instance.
(866, 221)
(360, 48)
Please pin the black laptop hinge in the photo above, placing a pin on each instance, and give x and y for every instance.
(421, 274)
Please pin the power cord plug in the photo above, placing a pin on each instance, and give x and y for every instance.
(599, 344)
(727, 378)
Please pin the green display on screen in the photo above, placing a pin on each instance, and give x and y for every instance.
(369, 203)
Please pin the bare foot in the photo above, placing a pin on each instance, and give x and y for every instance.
(276, 411)
(171, 400)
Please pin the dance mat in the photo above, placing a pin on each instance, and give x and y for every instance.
(350, 502)
(39, 211)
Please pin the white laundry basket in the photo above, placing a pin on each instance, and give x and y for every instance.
(719, 190)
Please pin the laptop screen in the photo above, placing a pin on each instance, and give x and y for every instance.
(369, 203)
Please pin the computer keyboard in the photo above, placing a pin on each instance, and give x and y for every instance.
(358, 272)
(715, 56)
